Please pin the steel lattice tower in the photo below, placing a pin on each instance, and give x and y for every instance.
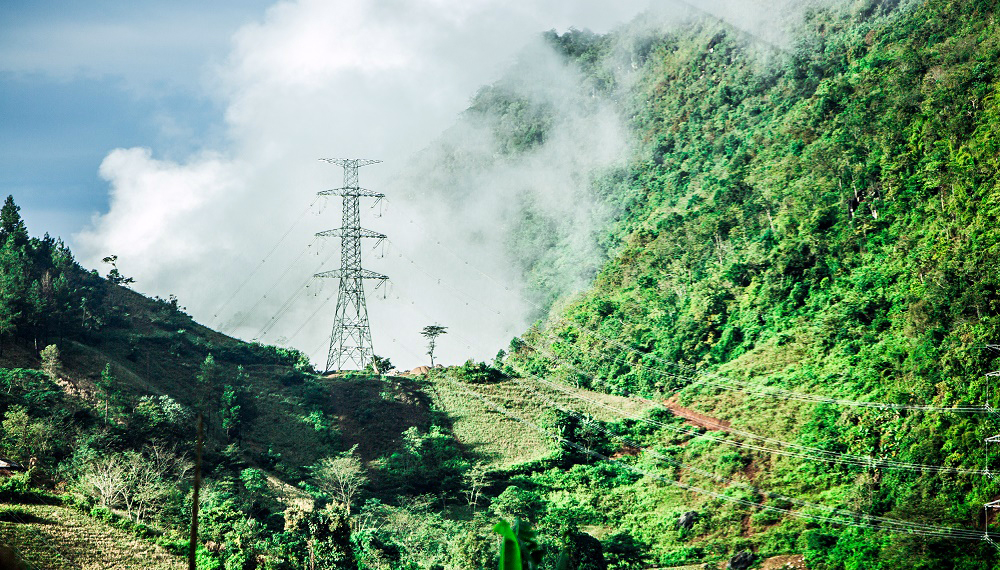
(351, 340)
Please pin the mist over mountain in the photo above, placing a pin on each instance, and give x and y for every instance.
(716, 287)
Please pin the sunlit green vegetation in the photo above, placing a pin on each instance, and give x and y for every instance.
(818, 217)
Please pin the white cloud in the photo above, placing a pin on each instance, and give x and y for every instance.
(315, 79)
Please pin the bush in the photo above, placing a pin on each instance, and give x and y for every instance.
(14, 514)
(430, 462)
(102, 514)
(477, 373)
(257, 353)
(624, 552)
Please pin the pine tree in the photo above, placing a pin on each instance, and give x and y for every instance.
(11, 224)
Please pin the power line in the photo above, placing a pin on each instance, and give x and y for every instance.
(785, 448)
(702, 376)
(267, 256)
(791, 449)
(874, 522)
(237, 323)
(702, 472)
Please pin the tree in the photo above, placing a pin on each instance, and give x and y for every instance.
(105, 478)
(114, 275)
(475, 481)
(25, 437)
(8, 311)
(233, 410)
(149, 478)
(207, 382)
(381, 365)
(343, 476)
(11, 224)
(431, 332)
(105, 389)
(116, 279)
(51, 364)
(138, 481)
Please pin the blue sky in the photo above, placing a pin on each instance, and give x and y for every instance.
(78, 79)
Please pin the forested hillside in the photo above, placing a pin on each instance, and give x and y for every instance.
(809, 222)
(780, 355)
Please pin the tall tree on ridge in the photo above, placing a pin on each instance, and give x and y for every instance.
(431, 332)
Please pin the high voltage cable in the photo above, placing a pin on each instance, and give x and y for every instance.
(775, 393)
(274, 285)
(883, 523)
(249, 312)
(313, 315)
(264, 260)
(702, 472)
(805, 452)
(720, 380)
(457, 291)
(282, 310)
(287, 305)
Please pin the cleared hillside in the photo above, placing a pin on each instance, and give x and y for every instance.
(478, 420)
(57, 538)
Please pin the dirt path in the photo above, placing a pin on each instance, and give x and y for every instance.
(696, 418)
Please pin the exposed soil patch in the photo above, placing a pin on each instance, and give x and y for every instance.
(694, 418)
(626, 451)
(785, 562)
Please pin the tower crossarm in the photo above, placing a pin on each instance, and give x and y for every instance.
(351, 232)
(352, 274)
(351, 162)
(360, 192)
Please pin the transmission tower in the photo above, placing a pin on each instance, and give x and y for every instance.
(351, 340)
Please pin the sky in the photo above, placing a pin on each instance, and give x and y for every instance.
(184, 138)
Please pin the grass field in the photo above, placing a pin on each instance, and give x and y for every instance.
(57, 538)
(502, 441)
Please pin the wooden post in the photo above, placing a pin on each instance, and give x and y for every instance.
(197, 486)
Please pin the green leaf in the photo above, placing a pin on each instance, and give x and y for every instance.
(510, 552)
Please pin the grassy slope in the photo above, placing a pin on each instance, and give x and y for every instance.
(54, 538)
(500, 441)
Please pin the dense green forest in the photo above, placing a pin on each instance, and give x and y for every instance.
(782, 358)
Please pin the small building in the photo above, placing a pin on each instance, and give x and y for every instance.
(8, 467)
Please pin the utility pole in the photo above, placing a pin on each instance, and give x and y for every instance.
(351, 340)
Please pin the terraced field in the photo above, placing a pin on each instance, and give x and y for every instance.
(57, 538)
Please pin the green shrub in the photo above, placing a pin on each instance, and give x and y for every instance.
(102, 514)
(14, 514)
(477, 373)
